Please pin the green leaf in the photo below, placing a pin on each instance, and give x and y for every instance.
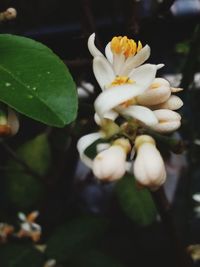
(20, 255)
(137, 203)
(95, 258)
(35, 82)
(73, 237)
(22, 188)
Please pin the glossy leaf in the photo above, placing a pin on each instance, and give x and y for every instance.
(74, 236)
(136, 203)
(18, 255)
(95, 258)
(35, 82)
(24, 189)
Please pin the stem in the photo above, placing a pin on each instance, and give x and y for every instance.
(163, 206)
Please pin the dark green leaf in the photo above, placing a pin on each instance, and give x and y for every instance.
(35, 82)
(136, 203)
(94, 258)
(22, 188)
(18, 255)
(74, 236)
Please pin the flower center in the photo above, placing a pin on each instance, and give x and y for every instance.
(119, 80)
(124, 45)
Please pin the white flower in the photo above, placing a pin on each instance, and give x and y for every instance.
(28, 226)
(110, 164)
(121, 78)
(148, 168)
(168, 121)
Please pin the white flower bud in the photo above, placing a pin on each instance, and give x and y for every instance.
(158, 92)
(173, 102)
(110, 164)
(148, 168)
(10, 13)
(168, 121)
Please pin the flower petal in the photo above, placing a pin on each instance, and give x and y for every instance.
(103, 71)
(92, 48)
(136, 60)
(84, 142)
(108, 52)
(111, 115)
(144, 75)
(143, 114)
(22, 216)
(115, 96)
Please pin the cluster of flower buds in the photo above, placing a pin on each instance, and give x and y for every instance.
(132, 98)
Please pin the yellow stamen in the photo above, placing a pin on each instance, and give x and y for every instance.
(124, 45)
(119, 80)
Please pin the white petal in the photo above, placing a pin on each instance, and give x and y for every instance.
(103, 72)
(114, 96)
(26, 227)
(160, 66)
(85, 142)
(22, 216)
(36, 226)
(92, 48)
(111, 115)
(143, 114)
(118, 62)
(108, 52)
(144, 75)
(136, 60)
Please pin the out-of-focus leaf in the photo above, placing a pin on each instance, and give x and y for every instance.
(75, 236)
(18, 255)
(95, 258)
(183, 48)
(35, 82)
(22, 188)
(136, 203)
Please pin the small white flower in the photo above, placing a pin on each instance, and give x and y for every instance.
(148, 168)
(28, 226)
(168, 121)
(110, 164)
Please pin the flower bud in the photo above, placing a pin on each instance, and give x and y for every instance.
(148, 168)
(10, 13)
(168, 121)
(173, 102)
(158, 92)
(110, 164)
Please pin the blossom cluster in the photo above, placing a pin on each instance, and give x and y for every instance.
(132, 98)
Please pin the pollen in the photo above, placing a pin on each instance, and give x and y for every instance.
(119, 80)
(123, 45)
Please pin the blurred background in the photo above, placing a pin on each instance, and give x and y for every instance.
(85, 223)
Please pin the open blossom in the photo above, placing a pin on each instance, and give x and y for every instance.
(122, 77)
(28, 226)
(149, 168)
